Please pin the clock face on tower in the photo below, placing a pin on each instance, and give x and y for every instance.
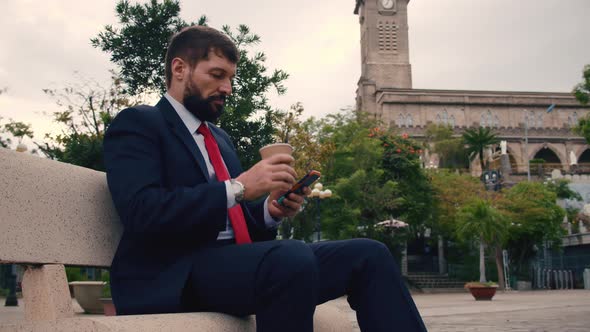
(387, 4)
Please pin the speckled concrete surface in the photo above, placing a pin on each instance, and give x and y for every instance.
(53, 212)
(508, 312)
(47, 288)
(536, 311)
(329, 318)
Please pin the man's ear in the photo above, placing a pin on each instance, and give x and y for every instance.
(179, 68)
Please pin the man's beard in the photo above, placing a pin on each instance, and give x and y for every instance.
(203, 108)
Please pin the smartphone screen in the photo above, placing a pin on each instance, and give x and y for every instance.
(306, 181)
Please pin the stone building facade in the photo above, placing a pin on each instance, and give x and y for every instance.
(385, 90)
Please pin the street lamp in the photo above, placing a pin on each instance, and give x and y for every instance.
(318, 194)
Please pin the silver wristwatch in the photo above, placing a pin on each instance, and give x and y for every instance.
(238, 189)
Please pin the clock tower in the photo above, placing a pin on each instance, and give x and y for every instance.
(385, 56)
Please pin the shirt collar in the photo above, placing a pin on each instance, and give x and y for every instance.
(191, 122)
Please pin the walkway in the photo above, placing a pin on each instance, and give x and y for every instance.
(539, 311)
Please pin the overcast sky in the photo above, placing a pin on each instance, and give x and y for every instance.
(524, 45)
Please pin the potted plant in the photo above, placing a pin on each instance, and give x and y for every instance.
(482, 291)
(87, 293)
(480, 220)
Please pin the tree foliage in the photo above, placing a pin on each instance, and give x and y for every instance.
(450, 149)
(14, 129)
(138, 49)
(562, 190)
(309, 150)
(582, 94)
(88, 109)
(374, 174)
(249, 118)
(452, 191)
(535, 220)
(480, 221)
(477, 140)
(582, 89)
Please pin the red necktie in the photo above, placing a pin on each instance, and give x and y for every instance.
(236, 215)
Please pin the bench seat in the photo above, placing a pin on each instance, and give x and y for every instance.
(54, 214)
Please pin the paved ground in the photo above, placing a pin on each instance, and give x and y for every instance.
(508, 311)
(537, 311)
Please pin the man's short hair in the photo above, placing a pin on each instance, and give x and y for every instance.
(194, 43)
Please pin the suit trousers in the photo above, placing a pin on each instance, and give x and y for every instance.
(282, 281)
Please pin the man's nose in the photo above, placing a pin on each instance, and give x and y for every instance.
(226, 87)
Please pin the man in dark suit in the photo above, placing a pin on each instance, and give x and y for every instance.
(197, 238)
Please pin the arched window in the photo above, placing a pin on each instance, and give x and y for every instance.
(482, 120)
(540, 121)
(452, 121)
(438, 121)
(409, 121)
(575, 118)
(445, 117)
(496, 122)
(400, 120)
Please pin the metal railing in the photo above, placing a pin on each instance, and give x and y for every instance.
(553, 279)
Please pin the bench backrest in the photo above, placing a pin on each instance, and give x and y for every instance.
(55, 213)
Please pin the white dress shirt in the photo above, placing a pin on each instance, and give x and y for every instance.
(192, 123)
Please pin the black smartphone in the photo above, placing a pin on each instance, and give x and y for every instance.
(305, 181)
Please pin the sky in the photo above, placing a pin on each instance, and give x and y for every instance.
(506, 45)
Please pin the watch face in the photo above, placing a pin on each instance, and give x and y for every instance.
(387, 4)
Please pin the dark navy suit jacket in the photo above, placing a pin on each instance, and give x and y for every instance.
(167, 203)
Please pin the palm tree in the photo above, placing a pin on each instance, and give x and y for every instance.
(479, 219)
(477, 140)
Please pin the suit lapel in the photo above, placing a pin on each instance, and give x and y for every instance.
(179, 129)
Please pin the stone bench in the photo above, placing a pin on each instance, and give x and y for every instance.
(54, 214)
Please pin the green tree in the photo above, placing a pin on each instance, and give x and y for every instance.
(477, 140)
(371, 180)
(481, 221)
(452, 191)
(88, 110)
(138, 49)
(309, 153)
(14, 129)
(535, 221)
(352, 170)
(249, 118)
(582, 90)
(582, 94)
(450, 149)
(401, 162)
(562, 190)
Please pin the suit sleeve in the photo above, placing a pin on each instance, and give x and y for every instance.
(133, 160)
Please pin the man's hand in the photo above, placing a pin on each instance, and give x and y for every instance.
(292, 203)
(268, 175)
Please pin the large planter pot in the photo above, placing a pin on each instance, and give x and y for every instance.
(483, 293)
(108, 306)
(88, 293)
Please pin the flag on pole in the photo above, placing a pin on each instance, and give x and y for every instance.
(550, 108)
